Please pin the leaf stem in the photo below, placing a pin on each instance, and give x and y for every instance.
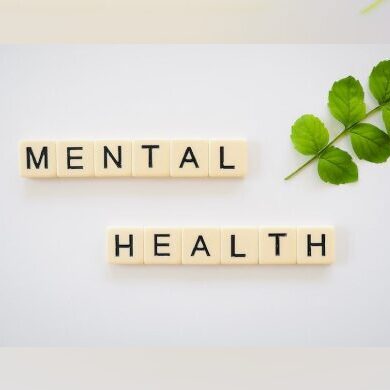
(371, 6)
(338, 136)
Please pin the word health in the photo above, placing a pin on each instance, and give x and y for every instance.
(228, 246)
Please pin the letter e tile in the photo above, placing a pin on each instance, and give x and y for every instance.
(162, 246)
(75, 159)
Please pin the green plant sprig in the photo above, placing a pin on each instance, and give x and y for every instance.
(371, 6)
(346, 103)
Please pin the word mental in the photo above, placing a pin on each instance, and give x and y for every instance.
(154, 158)
(210, 246)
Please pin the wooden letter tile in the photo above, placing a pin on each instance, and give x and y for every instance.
(75, 159)
(125, 245)
(201, 246)
(37, 159)
(112, 158)
(228, 158)
(190, 158)
(315, 245)
(151, 158)
(278, 245)
(239, 246)
(162, 246)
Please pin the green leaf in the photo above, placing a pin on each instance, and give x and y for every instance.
(380, 82)
(336, 166)
(370, 143)
(386, 117)
(309, 135)
(346, 101)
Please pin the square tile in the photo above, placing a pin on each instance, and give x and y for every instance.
(125, 245)
(315, 245)
(201, 246)
(228, 158)
(278, 245)
(112, 158)
(239, 246)
(162, 246)
(75, 159)
(151, 158)
(189, 158)
(37, 159)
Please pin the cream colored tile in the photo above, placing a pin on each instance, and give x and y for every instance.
(228, 158)
(75, 159)
(315, 245)
(278, 245)
(112, 158)
(201, 246)
(239, 246)
(189, 158)
(151, 158)
(162, 246)
(37, 159)
(125, 245)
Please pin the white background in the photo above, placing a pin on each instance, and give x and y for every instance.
(56, 288)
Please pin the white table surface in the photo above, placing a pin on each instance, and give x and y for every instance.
(56, 288)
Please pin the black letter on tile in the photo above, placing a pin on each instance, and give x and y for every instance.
(222, 159)
(192, 158)
(157, 244)
(321, 244)
(200, 240)
(43, 156)
(233, 247)
(277, 241)
(118, 246)
(117, 162)
(69, 157)
(150, 153)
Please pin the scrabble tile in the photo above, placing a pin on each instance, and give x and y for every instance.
(37, 159)
(201, 246)
(239, 246)
(125, 245)
(228, 158)
(162, 246)
(278, 245)
(112, 158)
(315, 245)
(151, 158)
(190, 158)
(75, 159)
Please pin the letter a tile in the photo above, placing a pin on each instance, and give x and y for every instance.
(201, 246)
(190, 158)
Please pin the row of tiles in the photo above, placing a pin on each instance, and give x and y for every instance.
(152, 158)
(230, 245)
